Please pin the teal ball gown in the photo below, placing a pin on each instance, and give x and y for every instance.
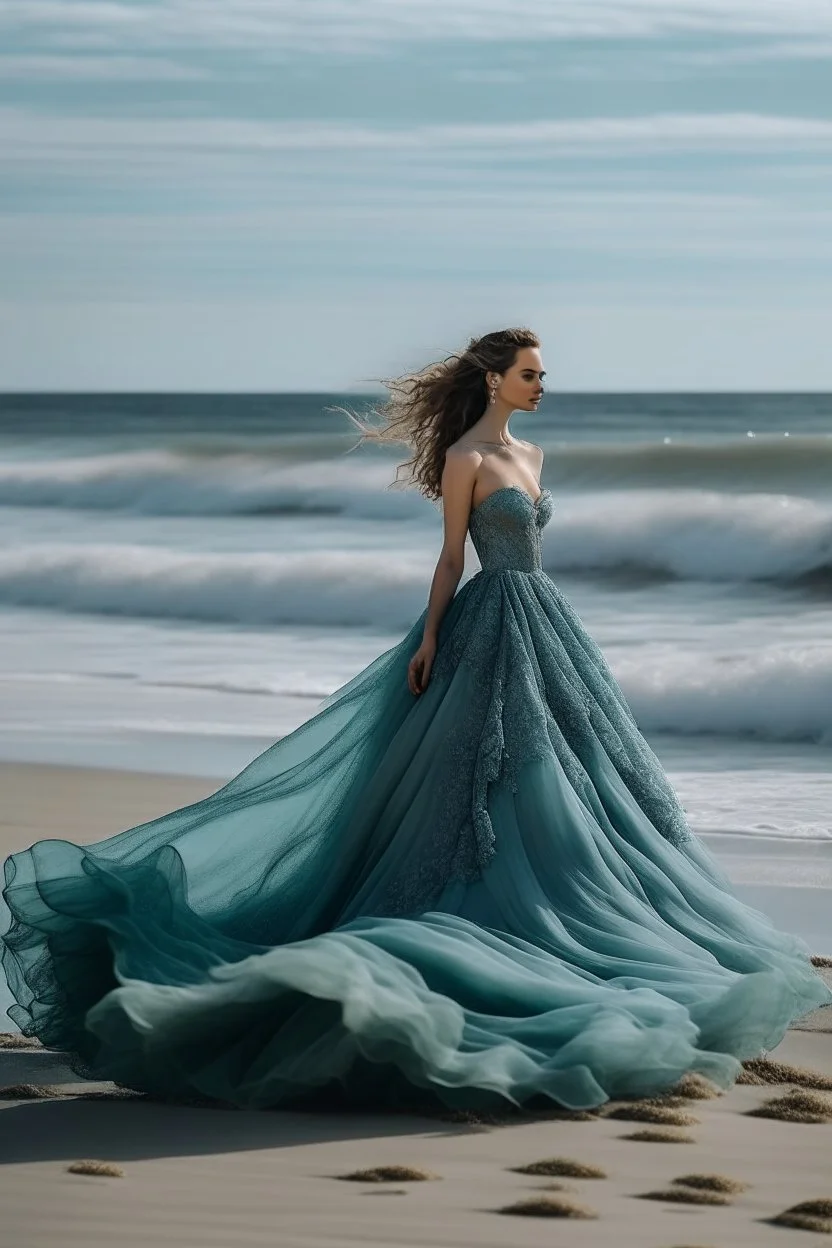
(482, 894)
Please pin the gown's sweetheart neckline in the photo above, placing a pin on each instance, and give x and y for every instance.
(535, 502)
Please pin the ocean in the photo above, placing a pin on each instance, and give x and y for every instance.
(184, 578)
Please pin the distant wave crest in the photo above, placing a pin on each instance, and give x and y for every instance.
(339, 588)
(799, 463)
(226, 481)
(624, 540)
(776, 694)
(174, 483)
(696, 535)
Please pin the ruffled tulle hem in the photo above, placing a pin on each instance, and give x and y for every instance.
(434, 1010)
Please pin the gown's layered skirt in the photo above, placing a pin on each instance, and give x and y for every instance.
(486, 892)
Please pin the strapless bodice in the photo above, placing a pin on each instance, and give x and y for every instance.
(507, 526)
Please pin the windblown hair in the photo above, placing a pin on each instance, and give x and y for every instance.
(430, 409)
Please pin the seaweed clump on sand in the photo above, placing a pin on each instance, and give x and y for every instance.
(798, 1105)
(809, 1215)
(561, 1167)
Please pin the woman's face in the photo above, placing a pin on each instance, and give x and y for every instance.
(522, 384)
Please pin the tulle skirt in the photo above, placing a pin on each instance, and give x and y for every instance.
(480, 895)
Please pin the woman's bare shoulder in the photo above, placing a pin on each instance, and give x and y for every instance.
(463, 452)
(534, 452)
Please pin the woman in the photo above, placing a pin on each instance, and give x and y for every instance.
(467, 877)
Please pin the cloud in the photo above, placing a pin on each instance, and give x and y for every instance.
(674, 239)
(261, 184)
(115, 68)
(62, 139)
(755, 53)
(349, 27)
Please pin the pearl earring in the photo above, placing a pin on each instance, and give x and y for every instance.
(494, 393)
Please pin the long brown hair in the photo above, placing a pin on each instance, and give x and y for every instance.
(432, 408)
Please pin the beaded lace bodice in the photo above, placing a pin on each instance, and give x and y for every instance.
(506, 529)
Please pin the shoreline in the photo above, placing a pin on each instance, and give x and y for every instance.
(788, 880)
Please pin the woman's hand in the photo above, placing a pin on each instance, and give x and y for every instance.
(418, 670)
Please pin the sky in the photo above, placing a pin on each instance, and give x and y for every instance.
(317, 194)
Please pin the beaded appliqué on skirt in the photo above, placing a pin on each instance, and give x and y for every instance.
(537, 686)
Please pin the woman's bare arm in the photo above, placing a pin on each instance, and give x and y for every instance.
(457, 491)
(458, 478)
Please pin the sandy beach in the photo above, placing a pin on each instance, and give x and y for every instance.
(205, 1176)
